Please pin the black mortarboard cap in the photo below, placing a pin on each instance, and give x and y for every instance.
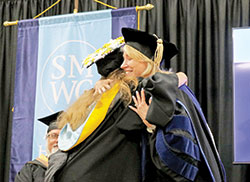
(110, 62)
(147, 44)
(50, 121)
(107, 58)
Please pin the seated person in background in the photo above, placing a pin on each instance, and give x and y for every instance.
(33, 171)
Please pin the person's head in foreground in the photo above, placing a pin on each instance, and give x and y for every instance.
(52, 132)
(144, 52)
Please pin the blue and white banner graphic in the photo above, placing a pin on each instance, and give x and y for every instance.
(241, 88)
(49, 75)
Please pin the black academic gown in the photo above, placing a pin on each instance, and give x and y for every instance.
(161, 113)
(113, 152)
(108, 154)
(33, 171)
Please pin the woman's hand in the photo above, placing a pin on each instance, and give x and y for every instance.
(183, 79)
(102, 85)
(141, 107)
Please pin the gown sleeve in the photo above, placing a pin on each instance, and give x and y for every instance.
(25, 174)
(32, 171)
(163, 89)
(129, 121)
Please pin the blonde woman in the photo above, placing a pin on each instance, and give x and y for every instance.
(177, 144)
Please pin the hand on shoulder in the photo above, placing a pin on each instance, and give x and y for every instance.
(183, 79)
(102, 86)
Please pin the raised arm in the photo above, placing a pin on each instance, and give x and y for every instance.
(162, 88)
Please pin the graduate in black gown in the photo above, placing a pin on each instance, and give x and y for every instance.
(34, 171)
(100, 152)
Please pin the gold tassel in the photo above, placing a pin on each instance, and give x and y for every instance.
(158, 52)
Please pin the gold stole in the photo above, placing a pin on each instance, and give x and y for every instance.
(98, 114)
(42, 159)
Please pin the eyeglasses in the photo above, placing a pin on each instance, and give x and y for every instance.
(52, 136)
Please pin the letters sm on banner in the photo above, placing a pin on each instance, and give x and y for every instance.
(49, 76)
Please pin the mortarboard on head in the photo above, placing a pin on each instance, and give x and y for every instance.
(50, 121)
(110, 62)
(107, 58)
(147, 44)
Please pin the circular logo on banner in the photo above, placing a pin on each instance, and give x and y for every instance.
(63, 79)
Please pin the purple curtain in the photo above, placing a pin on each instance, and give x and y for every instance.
(126, 17)
(24, 95)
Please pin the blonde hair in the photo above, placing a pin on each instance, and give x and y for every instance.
(77, 113)
(138, 56)
(153, 65)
